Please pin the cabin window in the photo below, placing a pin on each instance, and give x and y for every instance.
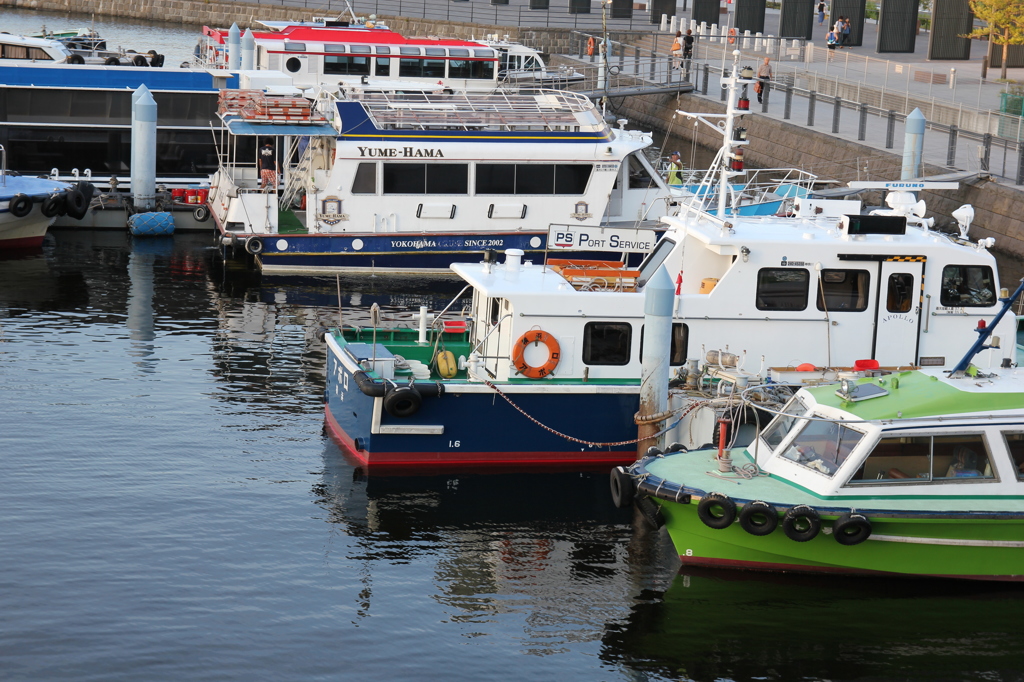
(653, 260)
(926, 459)
(900, 293)
(782, 288)
(383, 49)
(1015, 445)
(484, 70)
(293, 64)
(433, 68)
(383, 66)
(607, 343)
(677, 352)
(435, 52)
(533, 178)
(458, 53)
(295, 47)
(967, 286)
(360, 49)
(843, 290)
(366, 179)
(413, 178)
(531, 63)
(484, 53)
(334, 48)
(13, 52)
(409, 50)
(779, 428)
(639, 177)
(38, 53)
(357, 66)
(460, 68)
(822, 446)
(410, 68)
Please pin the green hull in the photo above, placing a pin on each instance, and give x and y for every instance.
(990, 549)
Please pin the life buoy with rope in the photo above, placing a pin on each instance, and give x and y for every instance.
(530, 371)
(590, 46)
(732, 36)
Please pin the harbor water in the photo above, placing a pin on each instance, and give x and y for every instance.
(173, 510)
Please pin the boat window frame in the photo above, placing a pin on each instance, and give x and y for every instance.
(334, 49)
(758, 296)
(864, 293)
(1017, 466)
(784, 413)
(294, 47)
(931, 480)
(945, 302)
(792, 438)
(621, 359)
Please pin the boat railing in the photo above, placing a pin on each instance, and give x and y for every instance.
(536, 110)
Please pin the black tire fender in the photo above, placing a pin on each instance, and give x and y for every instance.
(139, 60)
(402, 401)
(651, 511)
(851, 529)
(20, 205)
(201, 214)
(759, 518)
(112, 61)
(706, 513)
(801, 523)
(254, 245)
(76, 59)
(622, 487)
(76, 204)
(55, 204)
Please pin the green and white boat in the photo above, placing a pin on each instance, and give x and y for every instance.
(911, 473)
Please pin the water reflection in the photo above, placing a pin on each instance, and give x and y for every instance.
(547, 546)
(744, 626)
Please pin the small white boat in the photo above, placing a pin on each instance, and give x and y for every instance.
(28, 206)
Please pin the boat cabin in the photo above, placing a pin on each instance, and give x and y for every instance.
(23, 49)
(906, 434)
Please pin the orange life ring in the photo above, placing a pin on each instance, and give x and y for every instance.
(590, 46)
(732, 36)
(536, 336)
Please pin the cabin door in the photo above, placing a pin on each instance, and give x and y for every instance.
(898, 313)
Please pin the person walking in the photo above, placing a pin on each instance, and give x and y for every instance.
(764, 75)
(821, 12)
(688, 45)
(677, 50)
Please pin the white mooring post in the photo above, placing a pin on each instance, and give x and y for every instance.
(664, 23)
(133, 158)
(144, 151)
(234, 47)
(248, 50)
(913, 145)
(659, 297)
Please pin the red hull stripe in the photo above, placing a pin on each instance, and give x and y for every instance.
(22, 243)
(434, 459)
(737, 564)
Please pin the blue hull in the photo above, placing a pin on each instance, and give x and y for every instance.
(406, 253)
(481, 428)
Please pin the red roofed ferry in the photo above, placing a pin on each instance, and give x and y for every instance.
(371, 58)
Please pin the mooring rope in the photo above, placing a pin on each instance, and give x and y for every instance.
(682, 413)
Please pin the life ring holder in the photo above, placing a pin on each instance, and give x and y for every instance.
(590, 46)
(732, 36)
(540, 371)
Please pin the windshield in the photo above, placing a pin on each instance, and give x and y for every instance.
(779, 428)
(822, 446)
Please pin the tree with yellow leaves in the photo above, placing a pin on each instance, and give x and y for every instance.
(1005, 19)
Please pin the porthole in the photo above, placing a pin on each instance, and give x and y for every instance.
(293, 65)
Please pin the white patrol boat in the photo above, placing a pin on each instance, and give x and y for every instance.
(544, 364)
(412, 183)
(16, 50)
(522, 65)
